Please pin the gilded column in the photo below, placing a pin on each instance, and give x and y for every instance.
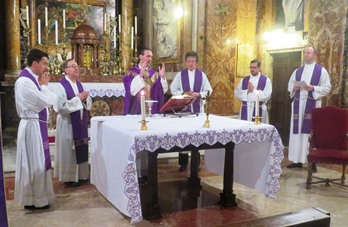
(127, 22)
(12, 39)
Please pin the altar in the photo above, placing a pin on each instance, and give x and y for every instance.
(115, 141)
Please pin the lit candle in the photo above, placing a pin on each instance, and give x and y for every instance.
(39, 31)
(132, 38)
(136, 25)
(63, 18)
(46, 16)
(142, 105)
(56, 25)
(257, 103)
(114, 36)
(119, 23)
(27, 9)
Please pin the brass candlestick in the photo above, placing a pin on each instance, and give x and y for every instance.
(143, 126)
(207, 100)
(257, 120)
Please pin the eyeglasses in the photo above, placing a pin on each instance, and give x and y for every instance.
(73, 66)
(253, 67)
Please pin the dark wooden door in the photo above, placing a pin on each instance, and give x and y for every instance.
(283, 66)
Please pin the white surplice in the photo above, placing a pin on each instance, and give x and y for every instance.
(176, 86)
(33, 183)
(250, 97)
(298, 143)
(65, 167)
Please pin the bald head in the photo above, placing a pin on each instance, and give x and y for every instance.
(310, 55)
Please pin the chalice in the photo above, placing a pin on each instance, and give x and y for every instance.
(149, 104)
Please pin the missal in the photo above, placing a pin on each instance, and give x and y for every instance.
(178, 103)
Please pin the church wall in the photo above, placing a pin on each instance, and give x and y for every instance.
(327, 25)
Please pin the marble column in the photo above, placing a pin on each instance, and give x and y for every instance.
(13, 54)
(127, 23)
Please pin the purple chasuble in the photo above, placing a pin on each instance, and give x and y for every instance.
(310, 102)
(260, 86)
(79, 126)
(3, 214)
(42, 122)
(132, 103)
(197, 87)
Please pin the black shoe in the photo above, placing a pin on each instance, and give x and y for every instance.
(182, 168)
(72, 184)
(29, 207)
(142, 180)
(314, 168)
(294, 165)
(83, 181)
(37, 208)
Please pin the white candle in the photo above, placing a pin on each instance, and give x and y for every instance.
(132, 38)
(27, 10)
(56, 25)
(136, 25)
(119, 23)
(104, 22)
(46, 16)
(39, 31)
(63, 18)
(114, 36)
(257, 103)
(142, 105)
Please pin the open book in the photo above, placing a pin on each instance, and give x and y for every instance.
(177, 103)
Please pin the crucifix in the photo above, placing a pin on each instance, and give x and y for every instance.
(222, 27)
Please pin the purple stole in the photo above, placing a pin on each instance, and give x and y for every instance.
(42, 122)
(3, 214)
(79, 127)
(132, 103)
(260, 86)
(197, 87)
(310, 103)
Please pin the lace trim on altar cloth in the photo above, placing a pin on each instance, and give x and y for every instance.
(209, 137)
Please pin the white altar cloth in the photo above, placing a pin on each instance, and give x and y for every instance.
(99, 89)
(115, 140)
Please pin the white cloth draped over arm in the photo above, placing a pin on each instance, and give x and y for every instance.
(164, 83)
(136, 85)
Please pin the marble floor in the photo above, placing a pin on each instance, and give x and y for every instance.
(84, 206)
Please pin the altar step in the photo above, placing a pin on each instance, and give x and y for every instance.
(303, 218)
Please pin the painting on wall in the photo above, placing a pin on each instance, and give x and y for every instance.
(69, 15)
(166, 30)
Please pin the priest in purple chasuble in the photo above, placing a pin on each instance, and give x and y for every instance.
(154, 84)
(194, 82)
(251, 86)
(307, 86)
(143, 78)
(33, 180)
(73, 102)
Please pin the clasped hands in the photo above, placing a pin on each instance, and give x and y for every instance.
(83, 95)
